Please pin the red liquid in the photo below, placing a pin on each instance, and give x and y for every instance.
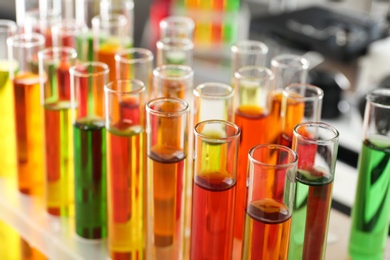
(106, 54)
(63, 78)
(252, 122)
(213, 216)
(267, 230)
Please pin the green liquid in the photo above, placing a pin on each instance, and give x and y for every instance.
(84, 47)
(371, 211)
(90, 178)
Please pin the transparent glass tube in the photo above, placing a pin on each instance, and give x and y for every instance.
(252, 105)
(167, 150)
(23, 49)
(215, 171)
(316, 144)
(124, 7)
(42, 6)
(213, 100)
(136, 63)
(174, 51)
(85, 10)
(248, 53)
(89, 138)
(54, 64)
(109, 36)
(126, 168)
(371, 209)
(271, 168)
(177, 27)
(300, 103)
(8, 28)
(287, 69)
(66, 33)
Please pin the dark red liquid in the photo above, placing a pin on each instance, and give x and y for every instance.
(212, 217)
(63, 78)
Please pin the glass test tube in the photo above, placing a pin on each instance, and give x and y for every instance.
(248, 53)
(371, 209)
(174, 51)
(316, 144)
(136, 63)
(42, 6)
(65, 33)
(177, 27)
(109, 36)
(252, 105)
(89, 139)
(8, 28)
(287, 69)
(124, 7)
(24, 48)
(268, 214)
(126, 169)
(215, 170)
(300, 103)
(167, 150)
(54, 64)
(213, 100)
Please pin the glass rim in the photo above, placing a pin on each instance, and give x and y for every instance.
(274, 147)
(69, 26)
(184, 20)
(75, 72)
(222, 122)
(141, 87)
(279, 61)
(266, 71)
(377, 93)
(147, 55)
(71, 52)
(312, 88)
(34, 40)
(11, 25)
(170, 44)
(261, 47)
(187, 72)
(321, 125)
(229, 90)
(109, 21)
(152, 111)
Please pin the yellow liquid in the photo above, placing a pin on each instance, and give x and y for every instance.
(7, 123)
(9, 242)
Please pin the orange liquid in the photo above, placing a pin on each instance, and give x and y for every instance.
(267, 231)
(294, 115)
(252, 122)
(29, 132)
(274, 118)
(106, 54)
(174, 89)
(29, 252)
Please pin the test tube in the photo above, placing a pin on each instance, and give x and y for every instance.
(316, 144)
(215, 171)
(8, 28)
(175, 26)
(167, 150)
(109, 36)
(248, 53)
(252, 107)
(24, 48)
(126, 168)
(287, 69)
(300, 103)
(89, 141)
(174, 51)
(136, 63)
(65, 33)
(54, 64)
(268, 214)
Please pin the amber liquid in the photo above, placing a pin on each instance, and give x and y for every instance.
(174, 89)
(29, 132)
(7, 122)
(294, 114)
(213, 216)
(252, 122)
(106, 54)
(274, 118)
(126, 175)
(167, 168)
(267, 230)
